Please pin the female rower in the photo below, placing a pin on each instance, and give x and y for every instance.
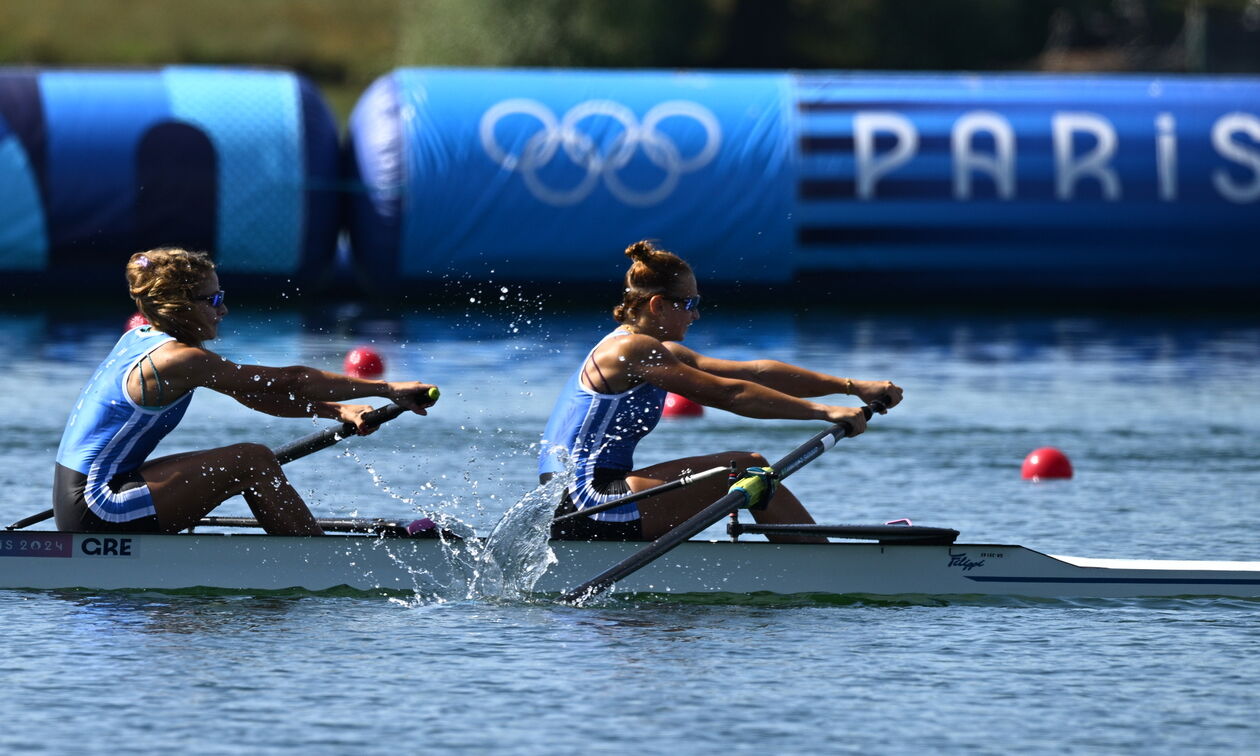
(615, 398)
(104, 480)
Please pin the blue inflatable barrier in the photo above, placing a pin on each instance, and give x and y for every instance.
(1058, 182)
(927, 181)
(97, 165)
(548, 175)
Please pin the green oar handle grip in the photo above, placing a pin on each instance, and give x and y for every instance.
(382, 415)
(391, 411)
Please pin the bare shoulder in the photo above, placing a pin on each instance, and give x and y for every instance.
(641, 348)
(176, 353)
(681, 353)
(190, 363)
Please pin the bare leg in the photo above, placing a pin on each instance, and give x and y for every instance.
(666, 511)
(185, 487)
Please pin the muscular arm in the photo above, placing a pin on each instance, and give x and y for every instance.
(296, 391)
(647, 360)
(787, 378)
(287, 406)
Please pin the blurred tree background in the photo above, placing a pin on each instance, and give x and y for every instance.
(344, 44)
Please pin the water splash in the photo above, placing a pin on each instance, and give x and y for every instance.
(517, 553)
(505, 566)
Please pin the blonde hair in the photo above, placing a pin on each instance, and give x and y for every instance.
(163, 282)
(654, 271)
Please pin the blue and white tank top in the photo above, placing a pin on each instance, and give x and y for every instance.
(598, 430)
(109, 434)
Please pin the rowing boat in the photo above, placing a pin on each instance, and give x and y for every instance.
(894, 560)
(377, 555)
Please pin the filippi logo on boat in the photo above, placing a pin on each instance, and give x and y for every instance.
(960, 559)
(562, 160)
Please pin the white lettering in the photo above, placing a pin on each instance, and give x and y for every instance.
(870, 168)
(1000, 165)
(1068, 170)
(1223, 132)
(1166, 155)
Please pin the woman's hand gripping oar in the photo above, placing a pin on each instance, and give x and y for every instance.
(749, 491)
(295, 449)
(326, 438)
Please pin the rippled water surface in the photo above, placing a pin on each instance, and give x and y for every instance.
(1159, 413)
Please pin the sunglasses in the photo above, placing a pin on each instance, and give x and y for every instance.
(214, 299)
(689, 303)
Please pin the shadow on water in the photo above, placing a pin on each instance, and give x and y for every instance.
(174, 613)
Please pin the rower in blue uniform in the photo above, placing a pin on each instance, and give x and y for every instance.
(616, 395)
(104, 479)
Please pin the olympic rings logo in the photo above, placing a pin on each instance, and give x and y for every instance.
(563, 133)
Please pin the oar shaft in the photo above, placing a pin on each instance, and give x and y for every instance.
(379, 526)
(795, 460)
(326, 438)
(25, 521)
(329, 436)
(646, 493)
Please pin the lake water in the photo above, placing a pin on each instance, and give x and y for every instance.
(1160, 415)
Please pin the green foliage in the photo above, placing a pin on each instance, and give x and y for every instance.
(344, 44)
(576, 33)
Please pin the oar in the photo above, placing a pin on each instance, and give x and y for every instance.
(293, 450)
(685, 480)
(736, 498)
(326, 438)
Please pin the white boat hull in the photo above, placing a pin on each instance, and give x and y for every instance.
(254, 562)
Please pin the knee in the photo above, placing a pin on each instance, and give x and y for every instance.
(255, 456)
(746, 458)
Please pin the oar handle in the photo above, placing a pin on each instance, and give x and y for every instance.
(329, 436)
(795, 460)
(816, 446)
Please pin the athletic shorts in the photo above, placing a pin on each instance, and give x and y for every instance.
(72, 512)
(609, 485)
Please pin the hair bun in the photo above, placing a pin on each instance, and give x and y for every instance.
(641, 251)
(654, 271)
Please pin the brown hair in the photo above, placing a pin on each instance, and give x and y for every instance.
(654, 271)
(163, 282)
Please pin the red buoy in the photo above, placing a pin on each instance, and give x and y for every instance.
(136, 320)
(364, 362)
(681, 406)
(1046, 463)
